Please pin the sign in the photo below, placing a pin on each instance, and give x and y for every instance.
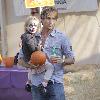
(65, 6)
(38, 3)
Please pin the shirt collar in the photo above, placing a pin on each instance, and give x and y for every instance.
(53, 33)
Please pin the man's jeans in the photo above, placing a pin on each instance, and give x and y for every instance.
(54, 92)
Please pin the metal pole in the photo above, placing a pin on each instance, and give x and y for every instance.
(3, 28)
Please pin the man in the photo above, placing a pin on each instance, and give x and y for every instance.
(56, 45)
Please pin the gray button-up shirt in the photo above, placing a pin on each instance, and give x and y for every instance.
(63, 48)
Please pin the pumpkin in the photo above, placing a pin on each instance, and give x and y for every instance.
(8, 62)
(38, 58)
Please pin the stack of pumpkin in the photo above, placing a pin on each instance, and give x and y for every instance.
(37, 58)
(8, 62)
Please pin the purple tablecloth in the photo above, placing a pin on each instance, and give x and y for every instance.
(12, 84)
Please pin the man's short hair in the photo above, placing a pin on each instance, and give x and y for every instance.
(47, 10)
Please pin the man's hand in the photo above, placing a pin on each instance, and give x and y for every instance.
(56, 59)
(32, 66)
(68, 61)
(59, 60)
(21, 62)
(26, 65)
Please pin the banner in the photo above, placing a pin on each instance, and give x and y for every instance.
(38, 3)
(65, 6)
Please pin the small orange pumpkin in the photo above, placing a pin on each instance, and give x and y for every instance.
(38, 58)
(8, 62)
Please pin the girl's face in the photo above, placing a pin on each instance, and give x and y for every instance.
(32, 27)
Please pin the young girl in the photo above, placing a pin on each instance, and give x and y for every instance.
(31, 43)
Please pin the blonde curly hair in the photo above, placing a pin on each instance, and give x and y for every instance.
(29, 20)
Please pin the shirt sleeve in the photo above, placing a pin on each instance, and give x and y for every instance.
(67, 47)
(20, 54)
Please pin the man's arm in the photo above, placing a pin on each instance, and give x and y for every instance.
(67, 51)
(22, 63)
(68, 61)
(65, 61)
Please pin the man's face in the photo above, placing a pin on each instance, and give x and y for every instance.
(49, 21)
(32, 26)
